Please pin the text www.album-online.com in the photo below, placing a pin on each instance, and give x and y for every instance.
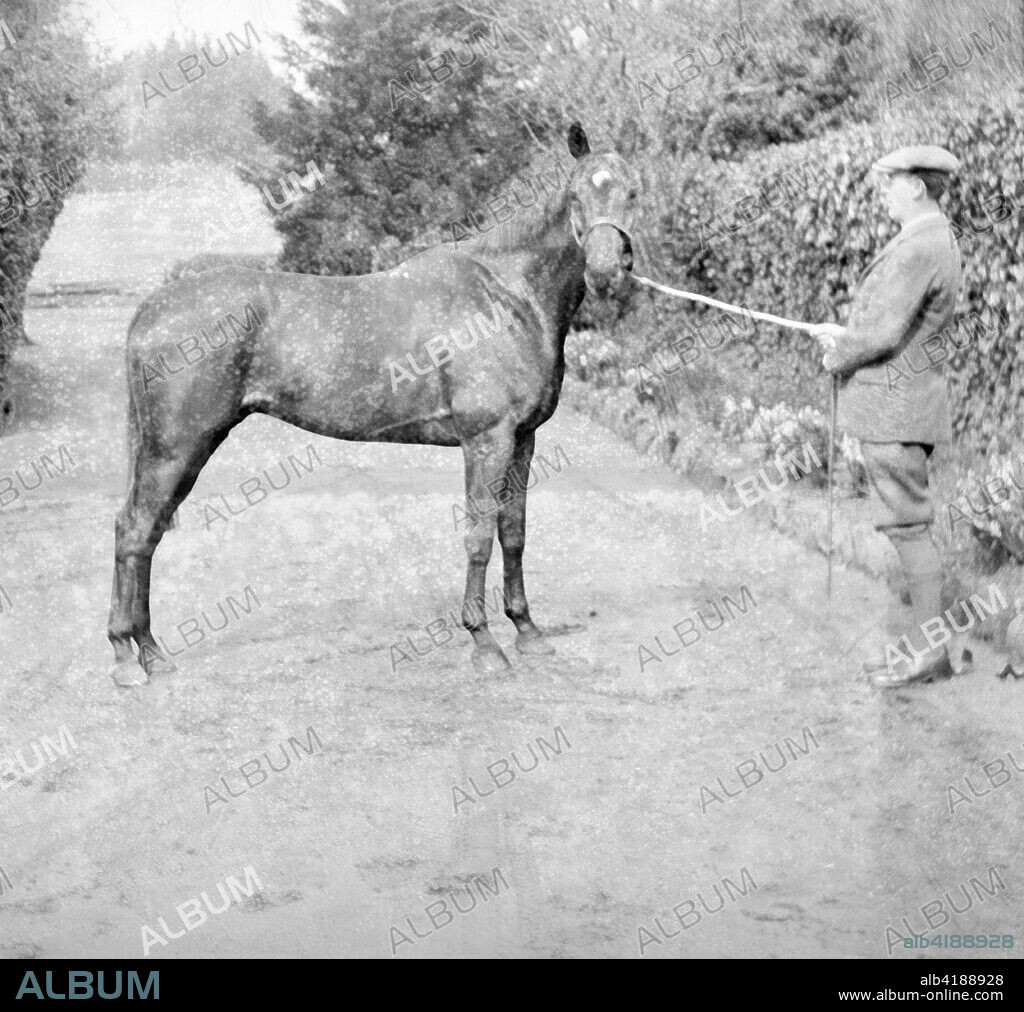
(940, 994)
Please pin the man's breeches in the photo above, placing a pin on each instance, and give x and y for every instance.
(898, 473)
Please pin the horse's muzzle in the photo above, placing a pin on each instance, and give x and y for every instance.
(612, 282)
(605, 273)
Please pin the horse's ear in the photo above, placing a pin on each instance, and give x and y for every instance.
(578, 143)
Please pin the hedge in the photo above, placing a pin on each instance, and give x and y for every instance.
(795, 242)
(47, 83)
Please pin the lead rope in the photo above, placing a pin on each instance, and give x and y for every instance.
(739, 310)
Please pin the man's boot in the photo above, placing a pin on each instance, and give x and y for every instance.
(923, 570)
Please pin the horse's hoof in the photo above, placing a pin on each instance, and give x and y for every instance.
(154, 663)
(128, 674)
(490, 661)
(160, 666)
(534, 643)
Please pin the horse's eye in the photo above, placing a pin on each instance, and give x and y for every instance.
(631, 195)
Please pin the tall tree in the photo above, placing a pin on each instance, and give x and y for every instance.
(403, 107)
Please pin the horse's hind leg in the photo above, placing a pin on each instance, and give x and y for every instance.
(137, 532)
(487, 458)
(119, 626)
(512, 536)
(159, 485)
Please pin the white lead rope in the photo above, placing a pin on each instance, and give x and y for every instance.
(767, 317)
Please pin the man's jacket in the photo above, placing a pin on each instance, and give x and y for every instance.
(900, 331)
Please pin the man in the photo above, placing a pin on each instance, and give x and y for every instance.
(896, 408)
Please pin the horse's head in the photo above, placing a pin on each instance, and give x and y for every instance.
(604, 198)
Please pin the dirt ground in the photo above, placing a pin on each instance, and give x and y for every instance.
(361, 834)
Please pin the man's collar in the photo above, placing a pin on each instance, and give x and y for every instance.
(922, 221)
(927, 220)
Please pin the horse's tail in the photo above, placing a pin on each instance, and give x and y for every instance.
(132, 429)
(133, 424)
(132, 434)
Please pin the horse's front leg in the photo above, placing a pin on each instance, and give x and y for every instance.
(512, 536)
(487, 456)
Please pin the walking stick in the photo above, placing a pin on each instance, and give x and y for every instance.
(831, 481)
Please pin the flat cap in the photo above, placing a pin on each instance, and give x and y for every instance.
(918, 156)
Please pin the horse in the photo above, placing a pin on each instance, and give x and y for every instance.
(330, 355)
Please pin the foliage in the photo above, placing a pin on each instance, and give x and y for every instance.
(991, 503)
(50, 118)
(415, 139)
(784, 93)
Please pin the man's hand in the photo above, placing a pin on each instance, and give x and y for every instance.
(829, 336)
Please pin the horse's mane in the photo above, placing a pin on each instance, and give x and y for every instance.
(526, 225)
